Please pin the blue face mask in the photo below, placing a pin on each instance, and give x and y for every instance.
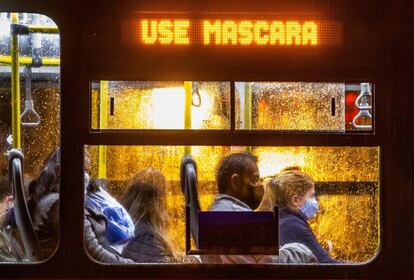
(310, 208)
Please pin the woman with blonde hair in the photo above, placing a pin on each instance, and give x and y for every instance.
(145, 200)
(294, 192)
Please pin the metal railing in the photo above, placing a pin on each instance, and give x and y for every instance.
(188, 174)
(21, 211)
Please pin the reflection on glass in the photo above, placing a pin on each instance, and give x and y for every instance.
(346, 179)
(161, 105)
(290, 106)
(39, 126)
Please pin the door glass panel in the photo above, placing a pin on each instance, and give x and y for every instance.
(29, 123)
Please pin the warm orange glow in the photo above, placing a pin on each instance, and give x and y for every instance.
(212, 28)
(230, 32)
(165, 32)
(277, 33)
(211, 31)
(246, 32)
(260, 33)
(181, 32)
(310, 33)
(149, 37)
(166, 109)
(293, 29)
(261, 29)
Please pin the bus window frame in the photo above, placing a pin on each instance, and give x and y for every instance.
(71, 260)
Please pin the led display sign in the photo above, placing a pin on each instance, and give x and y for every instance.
(205, 32)
(230, 32)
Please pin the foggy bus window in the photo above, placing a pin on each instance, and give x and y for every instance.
(160, 105)
(303, 106)
(30, 121)
(346, 185)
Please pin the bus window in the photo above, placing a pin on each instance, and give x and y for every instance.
(160, 105)
(29, 130)
(315, 107)
(346, 184)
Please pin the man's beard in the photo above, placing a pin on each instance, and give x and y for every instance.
(255, 197)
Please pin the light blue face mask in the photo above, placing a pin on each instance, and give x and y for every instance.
(310, 208)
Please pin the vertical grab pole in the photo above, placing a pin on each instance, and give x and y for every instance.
(248, 104)
(188, 88)
(15, 80)
(103, 123)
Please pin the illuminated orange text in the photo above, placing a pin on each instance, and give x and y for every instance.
(228, 32)
(260, 33)
(165, 32)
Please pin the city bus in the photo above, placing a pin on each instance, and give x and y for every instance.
(109, 88)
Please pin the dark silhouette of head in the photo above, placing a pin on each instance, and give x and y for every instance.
(47, 181)
(238, 176)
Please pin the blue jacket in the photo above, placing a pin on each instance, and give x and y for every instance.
(294, 227)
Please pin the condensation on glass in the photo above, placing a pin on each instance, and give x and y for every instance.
(277, 106)
(303, 106)
(347, 185)
(160, 105)
(290, 106)
(39, 86)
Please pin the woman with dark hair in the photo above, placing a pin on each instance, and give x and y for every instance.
(43, 204)
(145, 200)
(294, 192)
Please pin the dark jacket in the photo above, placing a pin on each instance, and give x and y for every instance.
(45, 220)
(147, 246)
(294, 227)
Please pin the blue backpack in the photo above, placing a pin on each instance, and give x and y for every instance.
(120, 228)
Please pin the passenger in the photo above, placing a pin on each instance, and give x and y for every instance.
(238, 180)
(43, 204)
(97, 228)
(6, 202)
(294, 192)
(107, 225)
(145, 200)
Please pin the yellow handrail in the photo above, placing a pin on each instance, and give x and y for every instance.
(43, 29)
(248, 108)
(103, 123)
(27, 60)
(188, 88)
(15, 80)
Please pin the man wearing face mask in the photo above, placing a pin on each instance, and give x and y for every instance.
(238, 180)
(239, 184)
(294, 192)
(240, 189)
